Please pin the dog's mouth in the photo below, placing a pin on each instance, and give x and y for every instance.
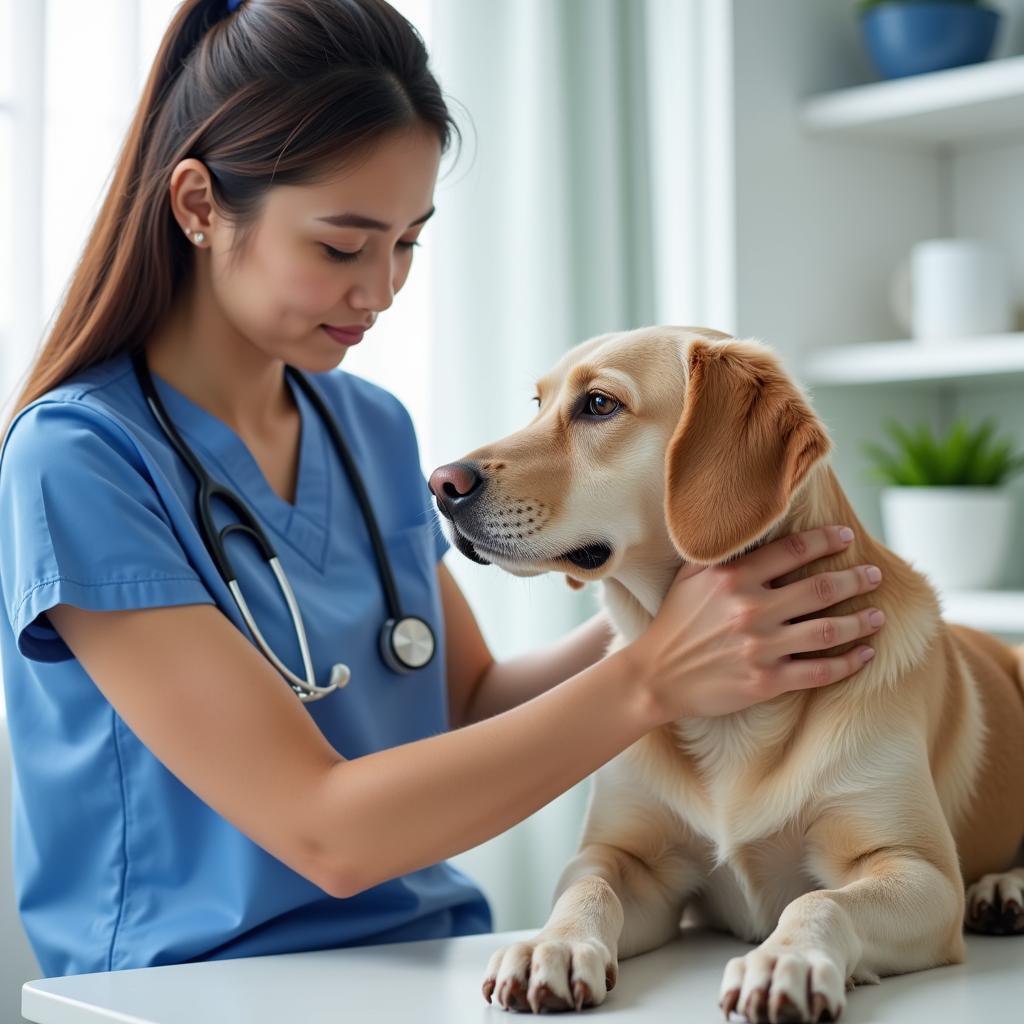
(589, 556)
(467, 547)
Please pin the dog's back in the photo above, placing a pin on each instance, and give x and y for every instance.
(990, 833)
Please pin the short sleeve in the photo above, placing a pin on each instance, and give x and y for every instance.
(81, 523)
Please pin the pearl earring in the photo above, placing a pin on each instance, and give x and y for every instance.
(199, 236)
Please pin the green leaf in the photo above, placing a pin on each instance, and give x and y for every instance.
(993, 464)
(929, 456)
(955, 452)
(964, 456)
(975, 447)
(886, 468)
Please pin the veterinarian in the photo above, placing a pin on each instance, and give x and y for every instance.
(179, 794)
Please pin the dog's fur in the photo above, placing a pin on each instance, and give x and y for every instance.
(836, 826)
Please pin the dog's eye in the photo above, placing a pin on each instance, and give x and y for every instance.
(600, 405)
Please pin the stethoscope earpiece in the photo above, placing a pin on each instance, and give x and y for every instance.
(340, 675)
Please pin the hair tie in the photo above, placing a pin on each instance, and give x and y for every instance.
(233, 5)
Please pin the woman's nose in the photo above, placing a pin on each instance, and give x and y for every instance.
(376, 289)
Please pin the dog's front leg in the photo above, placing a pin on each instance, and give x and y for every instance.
(621, 895)
(896, 907)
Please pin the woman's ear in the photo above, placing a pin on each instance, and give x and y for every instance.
(745, 441)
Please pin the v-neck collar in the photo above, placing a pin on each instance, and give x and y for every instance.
(225, 455)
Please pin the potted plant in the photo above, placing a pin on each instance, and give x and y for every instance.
(945, 509)
(909, 37)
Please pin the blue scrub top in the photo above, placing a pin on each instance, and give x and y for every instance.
(117, 864)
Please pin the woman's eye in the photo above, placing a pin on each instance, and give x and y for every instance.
(600, 405)
(339, 256)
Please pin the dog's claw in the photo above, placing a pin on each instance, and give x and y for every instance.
(534, 997)
(580, 994)
(783, 1010)
(488, 988)
(756, 1008)
(728, 1001)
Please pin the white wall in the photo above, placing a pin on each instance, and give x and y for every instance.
(822, 225)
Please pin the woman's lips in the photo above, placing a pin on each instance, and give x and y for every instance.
(346, 337)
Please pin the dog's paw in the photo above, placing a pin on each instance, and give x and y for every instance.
(550, 974)
(783, 983)
(995, 904)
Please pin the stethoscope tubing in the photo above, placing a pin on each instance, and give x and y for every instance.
(208, 488)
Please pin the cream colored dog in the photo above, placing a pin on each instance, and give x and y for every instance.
(834, 826)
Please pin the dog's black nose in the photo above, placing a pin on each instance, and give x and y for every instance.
(454, 486)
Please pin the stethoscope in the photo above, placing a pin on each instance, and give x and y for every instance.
(406, 642)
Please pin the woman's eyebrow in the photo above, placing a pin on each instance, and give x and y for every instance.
(357, 220)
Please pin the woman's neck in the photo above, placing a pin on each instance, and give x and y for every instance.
(204, 358)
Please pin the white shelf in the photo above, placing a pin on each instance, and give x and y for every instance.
(993, 357)
(979, 102)
(995, 611)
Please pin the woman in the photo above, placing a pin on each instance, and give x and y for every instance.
(174, 800)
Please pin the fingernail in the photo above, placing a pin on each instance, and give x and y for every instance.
(867, 653)
(873, 573)
(876, 617)
(845, 534)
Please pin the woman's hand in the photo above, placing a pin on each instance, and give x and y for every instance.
(722, 638)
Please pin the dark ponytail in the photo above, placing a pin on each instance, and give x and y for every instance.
(274, 92)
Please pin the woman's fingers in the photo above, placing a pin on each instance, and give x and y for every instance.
(806, 673)
(785, 554)
(821, 634)
(824, 589)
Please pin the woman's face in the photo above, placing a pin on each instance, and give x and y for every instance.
(299, 271)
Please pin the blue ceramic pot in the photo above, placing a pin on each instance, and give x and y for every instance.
(907, 38)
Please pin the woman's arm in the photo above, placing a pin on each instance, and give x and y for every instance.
(203, 699)
(221, 718)
(479, 686)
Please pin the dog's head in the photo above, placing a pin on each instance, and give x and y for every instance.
(669, 442)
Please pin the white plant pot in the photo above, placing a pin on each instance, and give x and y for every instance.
(959, 537)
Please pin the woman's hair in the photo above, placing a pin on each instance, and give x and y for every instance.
(273, 92)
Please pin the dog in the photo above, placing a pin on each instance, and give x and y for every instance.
(835, 827)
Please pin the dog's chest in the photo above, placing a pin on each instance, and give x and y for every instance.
(730, 787)
(751, 832)
(747, 893)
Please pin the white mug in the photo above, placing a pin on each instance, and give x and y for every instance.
(958, 288)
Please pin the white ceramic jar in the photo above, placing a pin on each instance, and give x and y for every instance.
(959, 287)
(959, 537)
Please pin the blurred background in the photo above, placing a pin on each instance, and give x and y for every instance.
(838, 179)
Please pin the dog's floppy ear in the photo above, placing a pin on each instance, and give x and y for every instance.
(744, 443)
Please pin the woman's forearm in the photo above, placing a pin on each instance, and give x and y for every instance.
(400, 809)
(509, 683)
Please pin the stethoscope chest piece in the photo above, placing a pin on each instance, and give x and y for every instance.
(406, 644)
